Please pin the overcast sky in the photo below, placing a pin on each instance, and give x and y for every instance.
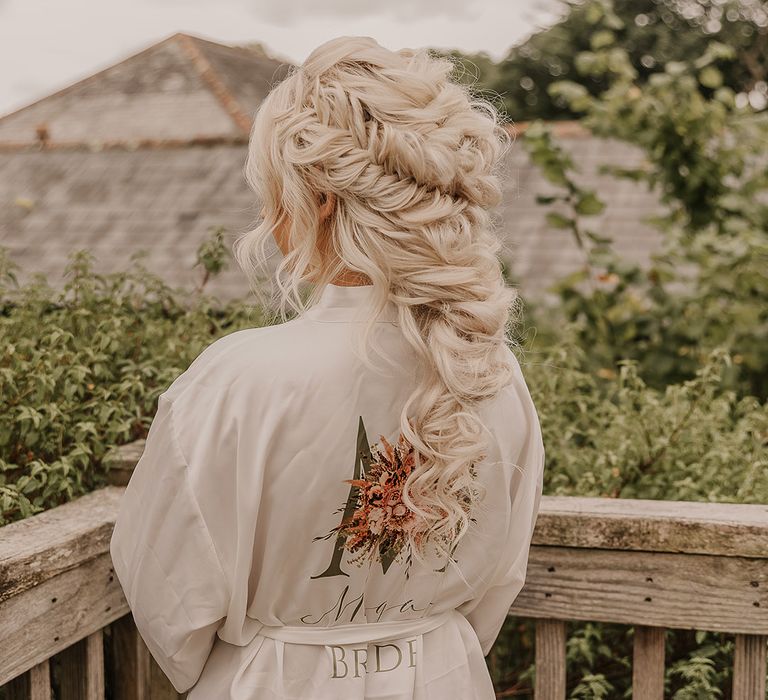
(47, 44)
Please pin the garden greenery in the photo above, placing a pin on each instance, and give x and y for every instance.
(666, 375)
(707, 161)
(81, 369)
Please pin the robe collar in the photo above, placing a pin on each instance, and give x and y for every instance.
(349, 303)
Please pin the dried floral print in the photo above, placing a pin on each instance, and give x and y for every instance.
(379, 521)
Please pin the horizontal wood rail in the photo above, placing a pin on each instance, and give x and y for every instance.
(649, 564)
(653, 565)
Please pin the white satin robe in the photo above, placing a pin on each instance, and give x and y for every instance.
(222, 542)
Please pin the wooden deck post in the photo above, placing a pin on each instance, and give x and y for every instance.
(132, 672)
(550, 660)
(749, 669)
(35, 684)
(82, 669)
(648, 663)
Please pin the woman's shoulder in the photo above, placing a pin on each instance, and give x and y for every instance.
(255, 360)
(233, 357)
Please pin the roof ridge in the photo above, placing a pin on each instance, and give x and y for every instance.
(231, 47)
(201, 65)
(212, 80)
(91, 76)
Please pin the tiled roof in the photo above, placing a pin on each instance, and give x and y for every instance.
(117, 201)
(181, 88)
(149, 154)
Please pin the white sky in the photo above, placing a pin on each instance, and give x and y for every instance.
(47, 44)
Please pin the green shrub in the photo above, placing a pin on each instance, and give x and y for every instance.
(705, 158)
(657, 386)
(81, 370)
(617, 437)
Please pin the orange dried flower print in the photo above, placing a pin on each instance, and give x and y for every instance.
(381, 523)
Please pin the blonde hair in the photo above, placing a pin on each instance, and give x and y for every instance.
(411, 157)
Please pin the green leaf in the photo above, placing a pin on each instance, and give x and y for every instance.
(675, 68)
(601, 39)
(594, 13)
(557, 220)
(711, 77)
(575, 94)
(588, 204)
(598, 239)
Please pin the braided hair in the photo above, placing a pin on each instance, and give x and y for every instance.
(411, 158)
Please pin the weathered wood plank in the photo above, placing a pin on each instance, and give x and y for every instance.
(37, 549)
(127, 456)
(131, 678)
(54, 566)
(550, 660)
(40, 681)
(727, 529)
(749, 667)
(59, 612)
(94, 666)
(694, 591)
(46, 544)
(648, 663)
(35, 684)
(81, 671)
(72, 672)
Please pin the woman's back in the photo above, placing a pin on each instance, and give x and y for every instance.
(319, 518)
(261, 542)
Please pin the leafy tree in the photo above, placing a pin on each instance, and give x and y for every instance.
(705, 156)
(652, 32)
(693, 327)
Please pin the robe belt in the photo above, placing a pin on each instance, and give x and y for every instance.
(360, 633)
(357, 633)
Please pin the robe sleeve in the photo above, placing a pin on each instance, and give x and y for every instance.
(522, 450)
(165, 559)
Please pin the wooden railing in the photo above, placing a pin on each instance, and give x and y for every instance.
(653, 565)
(650, 564)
